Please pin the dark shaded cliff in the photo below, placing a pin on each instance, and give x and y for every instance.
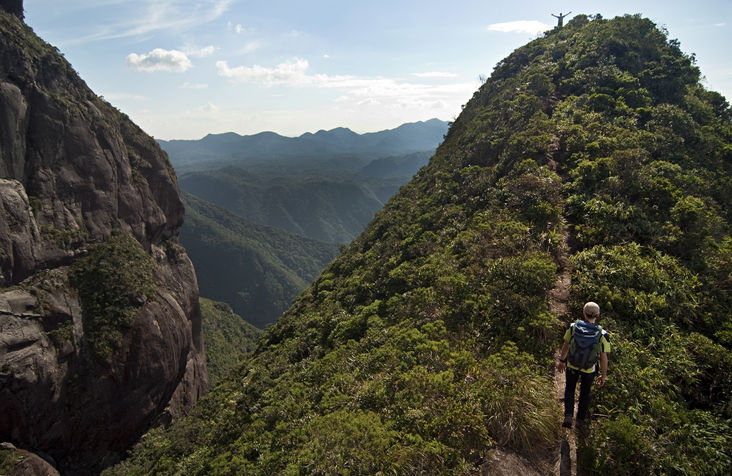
(13, 6)
(100, 329)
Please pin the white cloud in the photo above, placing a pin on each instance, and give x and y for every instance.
(358, 90)
(207, 108)
(251, 47)
(159, 60)
(520, 26)
(290, 72)
(436, 74)
(720, 24)
(199, 52)
(240, 29)
(188, 85)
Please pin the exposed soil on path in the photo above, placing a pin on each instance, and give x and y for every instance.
(566, 464)
(566, 451)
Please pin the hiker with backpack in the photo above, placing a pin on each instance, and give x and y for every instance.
(585, 345)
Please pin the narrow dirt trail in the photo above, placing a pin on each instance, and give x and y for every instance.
(566, 464)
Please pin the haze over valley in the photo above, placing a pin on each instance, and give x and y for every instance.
(291, 203)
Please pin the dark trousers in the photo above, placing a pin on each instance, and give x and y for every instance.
(585, 380)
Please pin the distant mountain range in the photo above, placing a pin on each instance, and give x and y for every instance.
(266, 213)
(354, 150)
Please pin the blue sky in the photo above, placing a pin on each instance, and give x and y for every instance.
(183, 68)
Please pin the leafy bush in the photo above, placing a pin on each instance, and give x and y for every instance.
(113, 280)
(521, 408)
(643, 290)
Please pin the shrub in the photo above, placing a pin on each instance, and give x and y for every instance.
(643, 290)
(519, 403)
(113, 280)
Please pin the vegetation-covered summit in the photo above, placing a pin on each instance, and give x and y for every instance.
(592, 152)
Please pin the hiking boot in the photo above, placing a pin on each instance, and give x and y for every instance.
(583, 422)
(582, 427)
(567, 421)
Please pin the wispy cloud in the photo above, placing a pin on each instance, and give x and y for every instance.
(520, 26)
(436, 74)
(361, 90)
(251, 46)
(240, 29)
(188, 85)
(720, 24)
(156, 15)
(292, 72)
(198, 52)
(208, 108)
(159, 60)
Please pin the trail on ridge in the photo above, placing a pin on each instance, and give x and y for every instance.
(559, 307)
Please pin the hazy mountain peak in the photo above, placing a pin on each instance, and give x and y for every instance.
(216, 150)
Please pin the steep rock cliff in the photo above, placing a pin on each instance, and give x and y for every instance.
(80, 380)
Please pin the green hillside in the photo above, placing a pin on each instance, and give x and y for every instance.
(591, 153)
(328, 206)
(228, 338)
(256, 269)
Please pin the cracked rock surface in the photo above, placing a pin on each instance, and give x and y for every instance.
(72, 170)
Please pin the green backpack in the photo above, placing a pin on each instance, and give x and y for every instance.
(584, 345)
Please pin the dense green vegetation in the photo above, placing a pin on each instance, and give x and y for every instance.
(228, 338)
(258, 270)
(329, 207)
(113, 280)
(430, 339)
(8, 460)
(260, 232)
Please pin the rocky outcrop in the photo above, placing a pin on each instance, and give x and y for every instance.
(73, 172)
(13, 6)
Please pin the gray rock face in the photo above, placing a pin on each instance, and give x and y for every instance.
(72, 170)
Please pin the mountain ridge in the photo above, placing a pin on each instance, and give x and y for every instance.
(233, 149)
(320, 132)
(429, 344)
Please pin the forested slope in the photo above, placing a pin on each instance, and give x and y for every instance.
(430, 339)
(326, 206)
(258, 270)
(228, 338)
